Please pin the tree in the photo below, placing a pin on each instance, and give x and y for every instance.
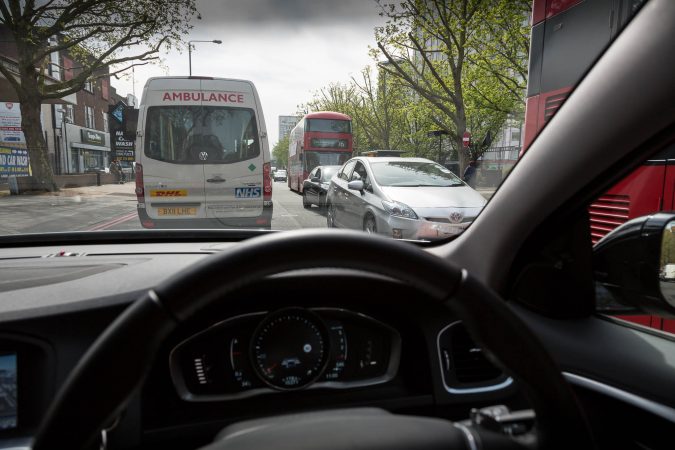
(280, 152)
(380, 108)
(99, 33)
(466, 58)
(381, 116)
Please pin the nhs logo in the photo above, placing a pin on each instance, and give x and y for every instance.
(247, 192)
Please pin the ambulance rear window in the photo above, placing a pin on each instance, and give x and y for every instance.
(186, 134)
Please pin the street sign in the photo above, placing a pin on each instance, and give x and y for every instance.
(466, 139)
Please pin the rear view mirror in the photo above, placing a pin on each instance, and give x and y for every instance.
(355, 185)
(636, 264)
(668, 263)
(130, 123)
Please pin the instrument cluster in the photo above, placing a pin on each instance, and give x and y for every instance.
(285, 350)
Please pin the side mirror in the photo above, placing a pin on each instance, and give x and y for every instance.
(315, 179)
(130, 123)
(635, 263)
(355, 185)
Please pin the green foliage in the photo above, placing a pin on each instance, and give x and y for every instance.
(385, 113)
(449, 66)
(466, 60)
(105, 37)
(280, 152)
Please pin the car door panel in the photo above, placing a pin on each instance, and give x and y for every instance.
(634, 359)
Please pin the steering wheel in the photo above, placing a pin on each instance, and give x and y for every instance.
(100, 386)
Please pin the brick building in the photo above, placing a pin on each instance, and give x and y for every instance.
(76, 126)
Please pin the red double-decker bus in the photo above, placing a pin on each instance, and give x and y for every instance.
(567, 37)
(320, 139)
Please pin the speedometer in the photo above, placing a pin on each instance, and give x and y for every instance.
(290, 348)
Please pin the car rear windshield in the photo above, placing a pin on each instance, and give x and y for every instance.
(329, 125)
(413, 173)
(328, 172)
(201, 134)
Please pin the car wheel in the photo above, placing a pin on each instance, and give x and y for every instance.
(369, 224)
(330, 216)
(306, 203)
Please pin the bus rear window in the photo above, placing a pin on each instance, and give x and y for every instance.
(201, 134)
(328, 125)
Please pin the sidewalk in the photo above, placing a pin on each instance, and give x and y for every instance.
(126, 189)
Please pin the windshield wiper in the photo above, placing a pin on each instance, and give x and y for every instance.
(427, 185)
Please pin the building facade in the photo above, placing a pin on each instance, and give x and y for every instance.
(76, 127)
(286, 124)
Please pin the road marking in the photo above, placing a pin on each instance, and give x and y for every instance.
(116, 221)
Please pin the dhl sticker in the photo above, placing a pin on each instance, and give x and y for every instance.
(169, 193)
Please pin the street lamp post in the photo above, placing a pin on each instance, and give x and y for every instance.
(65, 154)
(215, 41)
(440, 134)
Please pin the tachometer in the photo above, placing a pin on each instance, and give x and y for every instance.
(290, 348)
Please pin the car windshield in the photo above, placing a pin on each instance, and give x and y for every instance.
(413, 174)
(211, 115)
(151, 150)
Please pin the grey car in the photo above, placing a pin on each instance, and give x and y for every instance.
(315, 187)
(403, 198)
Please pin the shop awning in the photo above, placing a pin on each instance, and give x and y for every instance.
(89, 147)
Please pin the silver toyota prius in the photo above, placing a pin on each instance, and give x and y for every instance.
(404, 198)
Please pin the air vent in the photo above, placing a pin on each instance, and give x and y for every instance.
(552, 105)
(468, 359)
(607, 213)
(464, 365)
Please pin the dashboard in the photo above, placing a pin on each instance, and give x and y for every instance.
(299, 341)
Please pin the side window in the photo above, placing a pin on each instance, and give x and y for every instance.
(346, 170)
(360, 173)
(650, 188)
(317, 173)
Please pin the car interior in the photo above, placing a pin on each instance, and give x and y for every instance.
(165, 339)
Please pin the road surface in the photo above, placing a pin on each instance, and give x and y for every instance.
(113, 207)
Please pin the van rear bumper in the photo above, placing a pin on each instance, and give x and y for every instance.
(263, 221)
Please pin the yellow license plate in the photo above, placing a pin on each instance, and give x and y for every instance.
(177, 211)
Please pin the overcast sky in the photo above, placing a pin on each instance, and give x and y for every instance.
(288, 48)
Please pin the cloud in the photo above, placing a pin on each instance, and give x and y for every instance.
(288, 48)
(243, 14)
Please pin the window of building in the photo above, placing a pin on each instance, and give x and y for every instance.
(515, 134)
(105, 121)
(69, 114)
(89, 117)
(89, 86)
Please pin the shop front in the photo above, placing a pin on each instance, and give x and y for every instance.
(91, 153)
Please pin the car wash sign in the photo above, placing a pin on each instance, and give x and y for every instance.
(10, 124)
(13, 161)
(13, 154)
(123, 149)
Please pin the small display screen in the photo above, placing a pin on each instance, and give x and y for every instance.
(8, 391)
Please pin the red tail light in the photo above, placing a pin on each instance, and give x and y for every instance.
(267, 182)
(140, 190)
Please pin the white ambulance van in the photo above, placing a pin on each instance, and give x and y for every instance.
(202, 155)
